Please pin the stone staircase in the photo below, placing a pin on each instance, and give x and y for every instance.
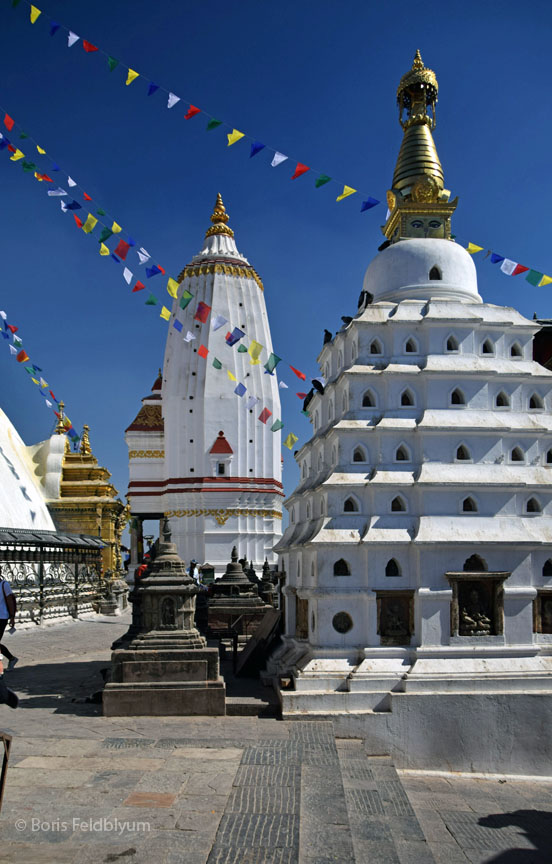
(315, 799)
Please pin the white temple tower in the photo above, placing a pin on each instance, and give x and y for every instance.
(419, 550)
(216, 469)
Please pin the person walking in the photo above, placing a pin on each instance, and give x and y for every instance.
(8, 608)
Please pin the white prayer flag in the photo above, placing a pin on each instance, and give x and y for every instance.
(71, 182)
(278, 159)
(283, 386)
(172, 100)
(251, 402)
(49, 404)
(56, 193)
(189, 336)
(43, 383)
(219, 322)
(13, 350)
(3, 316)
(143, 255)
(72, 38)
(508, 266)
(127, 275)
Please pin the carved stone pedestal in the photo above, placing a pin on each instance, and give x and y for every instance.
(167, 668)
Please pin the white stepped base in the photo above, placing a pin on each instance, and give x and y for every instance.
(323, 701)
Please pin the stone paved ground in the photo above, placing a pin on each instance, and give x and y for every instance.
(233, 790)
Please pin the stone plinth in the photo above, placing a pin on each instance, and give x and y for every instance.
(166, 668)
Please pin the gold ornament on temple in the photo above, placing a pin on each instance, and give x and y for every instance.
(219, 219)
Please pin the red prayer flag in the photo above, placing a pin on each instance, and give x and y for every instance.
(22, 357)
(203, 351)
(53, 397)
(519, 269)
(11, 148)
(88, 47)
(8, 122)
(264, 415)
(300, 169)
(202, 312)
(86, 197)
(163, 271)
(301, 395)
(298, 373)
(12, 328)
(138, 287)
(45, 177)
(77, 220)
(122, 248)
(192, 111)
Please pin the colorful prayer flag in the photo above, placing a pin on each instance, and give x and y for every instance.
(217, 364)
(254, 352)
(251, 402)
(35, 14)
(173, 100)
(231, 376)
(534, 277)
(78, 222)
(299, 170)
(151, 301)
(368, 204)
(276, 426)
(192, 111)
(472, 248)
(152, 271)
(185, 299)
(272, 362)
(54, 27)
(189, 336)
(72, 38)
(278, 158)
(322, 180)
(203, 351)
(301, 395)
(496, 259)
(202, 312)
(240, 389)
(121, 249)
(8, 122)
(139, 286)
(212, 124)
(17, 155)
(234, 336)
(116, 228)
(172, 287)
(290, 440)
(165, 313)
(127, 275)
(105, 235)
(298, 373)
(264, 415)
(112, 62)
(132, 76)
(152, 88)
(546, 280)
(347, 190)
(519, 268)
(143, 255)
(256, 147)
(234, 136)
(104, 250)
(90, 224)
(508, 266)
(22, 357)
(242, 349)
(218, 322)
(88, 47)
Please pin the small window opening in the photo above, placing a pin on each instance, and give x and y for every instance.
(452, 343)
(368, 400)
(535, 402)
(469, 505)
(435, 273)
(549, 457)
(474, 564)
(402, 454)
(517, 455)
(341, 568)
(398, 505)
(487, 347)
(392, 569)
(359, 455)
(221, 468)
(457, 397)
(502, 400)
(547, 569)
(462, 454)
(407, 398)
(375, 347)
(533, 506)
(350, 506)
(515, 350)
(411, 347)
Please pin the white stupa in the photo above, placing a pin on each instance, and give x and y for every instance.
(197, 453)
(419, 548)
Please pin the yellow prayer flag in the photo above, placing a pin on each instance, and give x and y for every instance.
(165, 313)
(132, 76)
(172, 287)
(232, 378)
(34, 14)
(472, 248)
(38, 176)
(347, 190)
(546, 280)
(254, 352)
(35, 382)
(40, 150)
(90, 224)
(116, 228)
(17, 155)
(234, 136)
(104, 250)
(290, 440)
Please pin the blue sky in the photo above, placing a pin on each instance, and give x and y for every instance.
(315, 80)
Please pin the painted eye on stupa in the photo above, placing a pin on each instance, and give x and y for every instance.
(434, 224)
(417, 223)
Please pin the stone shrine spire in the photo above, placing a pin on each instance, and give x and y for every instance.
(418, 202)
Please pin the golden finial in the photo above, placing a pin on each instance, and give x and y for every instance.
(85, 449)
(219, 219)
(418, 63)
(60, 428)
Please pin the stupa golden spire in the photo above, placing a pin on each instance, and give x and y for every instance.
(219, 219)
(418, 202)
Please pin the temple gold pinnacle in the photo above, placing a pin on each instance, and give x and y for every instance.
(219, 219)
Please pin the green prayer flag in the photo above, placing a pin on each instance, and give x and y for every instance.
(17, 341)
(15, 3)
(322, 180)
(242, 349)
(217, 364)
(28, 166)
(23, 135)
(112, 63)
(185, 299)
(276, 426)
(100, 211)
(105, 235)
(212, 124)
(534, 277)
(152, 300)
(272, 362)
(306, 413)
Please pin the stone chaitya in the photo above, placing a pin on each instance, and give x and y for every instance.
(419, 548)
(166, 668)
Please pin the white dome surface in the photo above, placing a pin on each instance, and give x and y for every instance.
(22, 503)
(401, 272)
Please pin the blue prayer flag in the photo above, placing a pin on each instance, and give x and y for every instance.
(74, 205)
(54, 27)
(115, 258)
(177, 325)
(368, 204)
(256, 147)
(152, 271)
(234, 336)
(55, 167)
(240, 389)
(496, 259)
(4, 143)
(152, 88)
(131, 242)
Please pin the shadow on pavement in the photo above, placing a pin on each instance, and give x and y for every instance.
(62, 687)
(534, 826)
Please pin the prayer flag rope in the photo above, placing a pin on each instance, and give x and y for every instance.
(510, 267)
(233, 135)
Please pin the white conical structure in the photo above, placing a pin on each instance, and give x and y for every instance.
(222, 465)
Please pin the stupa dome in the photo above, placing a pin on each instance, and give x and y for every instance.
(421, 268)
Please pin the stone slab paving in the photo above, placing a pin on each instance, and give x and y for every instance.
(84, 788)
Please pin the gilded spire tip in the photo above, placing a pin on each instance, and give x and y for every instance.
(85, 449)
(418, 63)
(219, 219)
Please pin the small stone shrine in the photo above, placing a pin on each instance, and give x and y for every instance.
(235, 596)
(167, 668)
